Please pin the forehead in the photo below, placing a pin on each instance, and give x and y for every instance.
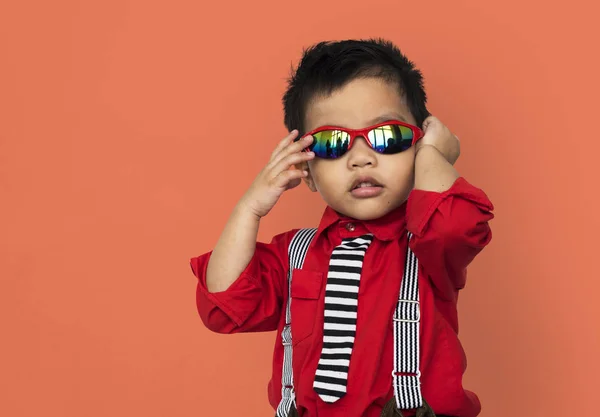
(360, 103)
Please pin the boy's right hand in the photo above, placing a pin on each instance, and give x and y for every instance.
(277, 177)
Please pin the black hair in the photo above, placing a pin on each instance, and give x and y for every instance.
(328, 66)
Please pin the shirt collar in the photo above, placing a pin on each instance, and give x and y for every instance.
(389, 227)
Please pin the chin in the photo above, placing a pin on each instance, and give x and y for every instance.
(365, 209)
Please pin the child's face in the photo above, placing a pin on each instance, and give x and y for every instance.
(359, 104)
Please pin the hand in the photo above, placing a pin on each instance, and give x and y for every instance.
(278, 176)
(441, 138)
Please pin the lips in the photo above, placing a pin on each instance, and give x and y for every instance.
(365, 182)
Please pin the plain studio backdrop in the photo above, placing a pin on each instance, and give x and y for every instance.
(129, 129)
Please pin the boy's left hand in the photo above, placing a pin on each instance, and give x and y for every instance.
(441, 138)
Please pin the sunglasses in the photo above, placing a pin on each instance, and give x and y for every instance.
(391, 137)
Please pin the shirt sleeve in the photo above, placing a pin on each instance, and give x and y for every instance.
(449, 230)
(253, 302)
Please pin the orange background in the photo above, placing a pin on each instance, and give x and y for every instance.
(116, 166)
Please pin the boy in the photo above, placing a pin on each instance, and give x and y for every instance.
(373, 306)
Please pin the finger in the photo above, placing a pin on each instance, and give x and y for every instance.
(290, 160)
(430, 121)
(293, 148)
(293, 183)
(284, 142)
(290, 178)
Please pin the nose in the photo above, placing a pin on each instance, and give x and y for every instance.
(361, 154)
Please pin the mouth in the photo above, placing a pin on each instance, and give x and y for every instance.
(365, 182)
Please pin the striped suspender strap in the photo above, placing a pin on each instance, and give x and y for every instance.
(296, 253)
(406, 375)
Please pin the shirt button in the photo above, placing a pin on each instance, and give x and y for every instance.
(350, 227)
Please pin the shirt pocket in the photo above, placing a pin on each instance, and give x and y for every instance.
(306, 292)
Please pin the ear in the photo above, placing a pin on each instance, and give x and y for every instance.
(310, 182)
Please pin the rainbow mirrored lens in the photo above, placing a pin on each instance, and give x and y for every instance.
(387, 139)
(330, 143)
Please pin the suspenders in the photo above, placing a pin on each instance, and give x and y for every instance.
(406, 377)
(296, 253)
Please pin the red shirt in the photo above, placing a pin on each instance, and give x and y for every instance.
(449, 228)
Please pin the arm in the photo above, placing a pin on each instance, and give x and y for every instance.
(235, 247)
(450, 228)
(435, 155)
(233, 251)
(432, 171)
(253, 301)
(448, 216)
(240, 282)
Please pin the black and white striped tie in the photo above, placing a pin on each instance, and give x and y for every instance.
(341, 302)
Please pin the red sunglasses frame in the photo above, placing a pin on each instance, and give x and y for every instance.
(364, 133)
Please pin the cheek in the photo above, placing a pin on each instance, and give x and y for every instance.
(408, 160)
(326, 175)
(403, 169)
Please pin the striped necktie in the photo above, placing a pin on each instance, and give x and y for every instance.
(341, 301)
